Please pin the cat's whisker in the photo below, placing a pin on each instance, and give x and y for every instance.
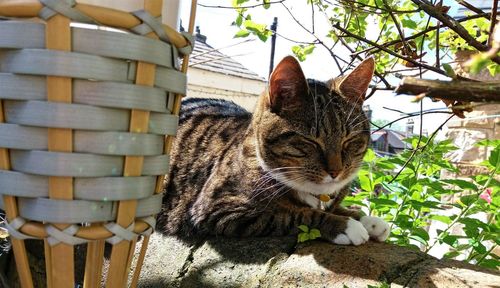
(355, 118)
(359, 123)
(350, 113)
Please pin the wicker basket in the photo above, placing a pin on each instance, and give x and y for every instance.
(83, 118)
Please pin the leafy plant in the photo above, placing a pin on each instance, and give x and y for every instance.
(411, 33)
(419, 195)
(307, 234)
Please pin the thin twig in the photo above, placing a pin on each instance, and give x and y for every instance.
(218, 49)
(416, 63)
(312, 16)
(419, 148)
(470, 6)
(410, 116)
(370, 6)
(416, 35)
(493, 19)
(454, 25)
(438, 64)
(241, 7)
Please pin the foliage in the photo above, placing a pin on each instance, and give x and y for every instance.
(307, 234)
(407, 189)
(419, 195)
(393, 31)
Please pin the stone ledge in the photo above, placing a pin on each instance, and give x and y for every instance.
(279, 262)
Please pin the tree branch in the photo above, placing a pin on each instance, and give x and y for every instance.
(451, 90)
(470, 7)
(416, 35)
(453, 25)
(416, 63)
(494, 11)
(241, 7)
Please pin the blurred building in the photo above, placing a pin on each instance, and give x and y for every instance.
(212, 74)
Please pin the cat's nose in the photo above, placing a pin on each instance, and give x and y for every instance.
(334, 173)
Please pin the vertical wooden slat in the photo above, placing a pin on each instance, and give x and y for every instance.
(93, 264)
(121, 253)
(58, 37)
(10, 206)
(167, 145)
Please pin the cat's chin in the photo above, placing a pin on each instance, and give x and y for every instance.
(328, 187)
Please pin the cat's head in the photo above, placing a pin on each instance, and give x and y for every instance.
(311, 135)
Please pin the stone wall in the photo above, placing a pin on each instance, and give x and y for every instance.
(280, 262)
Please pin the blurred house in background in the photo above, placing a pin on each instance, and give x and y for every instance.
(212, 74)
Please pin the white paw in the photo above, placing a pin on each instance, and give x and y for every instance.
(377, 228)
(354, 234)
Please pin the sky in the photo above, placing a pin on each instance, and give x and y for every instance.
(215, 23)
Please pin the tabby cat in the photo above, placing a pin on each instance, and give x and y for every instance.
(239, 174)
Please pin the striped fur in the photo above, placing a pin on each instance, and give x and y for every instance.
(239, 174)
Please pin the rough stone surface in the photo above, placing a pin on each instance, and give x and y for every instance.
(169, 257)
(279, 262)
(465, 140)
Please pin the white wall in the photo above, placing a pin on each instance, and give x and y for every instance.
(207, 84)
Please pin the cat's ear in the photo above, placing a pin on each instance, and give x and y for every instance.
(354, 85)
(287, 86)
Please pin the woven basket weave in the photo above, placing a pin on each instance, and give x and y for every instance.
(83, 119)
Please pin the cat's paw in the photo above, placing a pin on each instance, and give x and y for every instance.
(377, 228)
(355, 234)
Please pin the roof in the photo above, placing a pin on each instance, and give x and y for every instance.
(395, 138)
(206, 57)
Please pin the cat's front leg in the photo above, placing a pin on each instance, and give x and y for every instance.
(376, 227)
(338, 229)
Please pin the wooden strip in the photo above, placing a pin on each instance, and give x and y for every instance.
(37, 230)
(48, 262)
(122, 252)
(178, 97)
(11, 211)
(93, 264)
(140, 261)
(58, 37)
(104, 16)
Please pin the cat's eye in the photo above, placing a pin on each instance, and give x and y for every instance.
(354, 145)
(294, 152)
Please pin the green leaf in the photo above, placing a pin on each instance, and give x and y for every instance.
(467, 200)
(479, 247)
(440, 218)
(493, 68)
(314, 233)
(303, 237)
(239, 20)
(490, 263)
(408, 23)
(461, 183)
(365, 183)
(301, 51)
(494, 158)
(369, 156)
(478, 62)
(449, 71)
(451, 240)
(303, 228)
(267, 4)
(421, 233)
(451, 254)
(383, 202)
(489, 142)
(242, 33)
